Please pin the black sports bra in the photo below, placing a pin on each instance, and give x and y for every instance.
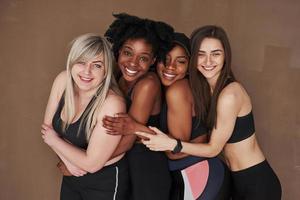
(71, 133)
(196, 131)
(243, 128)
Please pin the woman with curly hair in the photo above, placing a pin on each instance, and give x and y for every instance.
(137, 45)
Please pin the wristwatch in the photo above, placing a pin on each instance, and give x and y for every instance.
(178, 147)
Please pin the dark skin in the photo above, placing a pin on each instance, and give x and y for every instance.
(180, 111)
(145, 102)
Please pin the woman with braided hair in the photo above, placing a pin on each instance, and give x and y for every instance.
(137, 45)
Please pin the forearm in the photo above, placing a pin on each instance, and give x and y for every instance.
(66, 161)
(76, 156)
(172, 156)
(125, 144)
(199, 149)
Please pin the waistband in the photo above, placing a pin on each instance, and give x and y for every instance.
(251, 170)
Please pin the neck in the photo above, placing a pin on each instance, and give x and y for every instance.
(85, 95)
(212, 83)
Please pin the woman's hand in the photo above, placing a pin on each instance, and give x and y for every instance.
(158, 142)
(120, 124)
(49, 135)
(67, 169)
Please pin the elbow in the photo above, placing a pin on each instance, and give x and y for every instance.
(92, 168)
(214, 151)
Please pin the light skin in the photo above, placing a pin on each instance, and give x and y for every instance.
(135, 59)
(232, 103)
(87, 75)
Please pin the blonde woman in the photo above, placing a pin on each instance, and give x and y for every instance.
(72, 127)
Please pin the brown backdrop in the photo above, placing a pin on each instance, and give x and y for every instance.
(34, 37)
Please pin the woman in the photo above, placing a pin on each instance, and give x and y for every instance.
(72, 127)
(192, 177)
(137, 45)
(226, 108)
(177, 117)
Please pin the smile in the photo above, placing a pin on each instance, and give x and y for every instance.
(84, 79)
(168, 76)
(131, 72)
(208, 68)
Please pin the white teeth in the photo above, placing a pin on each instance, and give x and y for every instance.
(132, 72)
(169, 75)
(209, 68)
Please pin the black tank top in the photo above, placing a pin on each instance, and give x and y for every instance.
(71, 134)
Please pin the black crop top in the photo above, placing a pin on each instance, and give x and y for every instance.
(71, 135)
(243, 128)
(196, 130)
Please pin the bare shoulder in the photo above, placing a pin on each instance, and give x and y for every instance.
(232, 97)
(113, 103)
(179, 90)
(59, 84)
(114, 98)
(231, 94)
(149, 82)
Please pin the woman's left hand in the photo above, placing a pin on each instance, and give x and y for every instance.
(158, 142)
(49, 135)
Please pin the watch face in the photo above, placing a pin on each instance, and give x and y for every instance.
(178, 147)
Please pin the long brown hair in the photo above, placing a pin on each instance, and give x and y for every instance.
(205, 101)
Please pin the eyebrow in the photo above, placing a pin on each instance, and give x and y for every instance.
(96, 61)
(213, 51)
(146, 53)
(182, 57)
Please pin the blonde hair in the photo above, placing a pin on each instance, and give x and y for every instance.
(86, 47)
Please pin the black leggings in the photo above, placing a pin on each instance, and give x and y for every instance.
(109, 183)
(258, 182)
(149, 174)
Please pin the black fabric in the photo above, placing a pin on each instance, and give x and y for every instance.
(258, 182)
(243, 128)
(71, 133)
(177, 189)
(107, 183)
(149, 174)
(99, 185)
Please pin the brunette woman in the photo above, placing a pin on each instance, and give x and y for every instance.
(223, 103)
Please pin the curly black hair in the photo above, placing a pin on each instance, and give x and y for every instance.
(158, 34)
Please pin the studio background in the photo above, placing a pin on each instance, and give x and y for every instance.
(34, 38)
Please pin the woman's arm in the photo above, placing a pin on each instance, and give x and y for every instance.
(101, 145)
(56, 93)
(227, 110)
(144, 97)
(179, 115)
